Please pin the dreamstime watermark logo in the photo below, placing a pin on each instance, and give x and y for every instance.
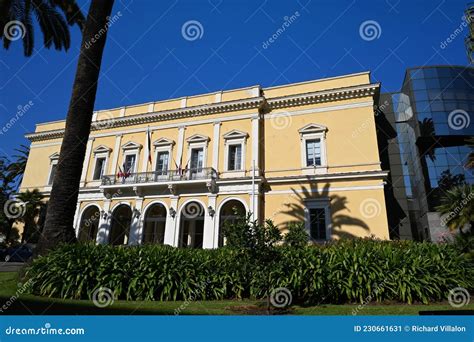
(192, 30)
(113, 195)
(14, 208)
(281, 120)
(14, 30)
(192, 298)
(378, 109)
(370, 30)
(370, 208)
(21, 289)
(458, 297)
(103, 297)
(193, 210)
(281, 297)
(47, 329)
(464, 24)
(452, 214)
(288, 20)
(459, 119)
(377, 288)
(110, 21)
(21, 110)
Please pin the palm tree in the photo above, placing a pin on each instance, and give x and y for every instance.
(33, 202)
(16, 22)
(457, 204)
(17, 168)
(58, 226)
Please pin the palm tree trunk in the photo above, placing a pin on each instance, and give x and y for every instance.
(62, 203)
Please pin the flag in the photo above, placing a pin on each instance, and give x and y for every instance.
(148, 135)
(120, 173)
(127, 172)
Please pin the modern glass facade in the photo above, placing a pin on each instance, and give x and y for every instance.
(432, 117)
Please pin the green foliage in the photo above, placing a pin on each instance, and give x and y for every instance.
(339, 272)
(297, 235)
(248, 234)
(33, 214)
(457, 205)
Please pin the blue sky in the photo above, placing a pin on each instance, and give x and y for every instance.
(147, 57)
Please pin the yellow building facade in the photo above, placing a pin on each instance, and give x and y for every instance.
(174, 171)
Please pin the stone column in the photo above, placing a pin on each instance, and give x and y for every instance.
(215, 146)
(171, 222)
(209, 240)
(85, 165)
(104, 224)
(180, 144)
(135, 227)
(77, 218)
(256, 144)
(115, 156)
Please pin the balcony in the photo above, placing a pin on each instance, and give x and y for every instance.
(170, 177)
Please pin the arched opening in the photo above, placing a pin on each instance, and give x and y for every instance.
(89, 224)
(191, 226)
(120, 226)
(230, 212)
(154, 225)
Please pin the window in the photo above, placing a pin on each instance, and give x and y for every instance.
(129, 163)
(99, 167)
(162, 162)
(313, 152)
(52, 172)
(163, 152)
(317, 223)
(235, 157)
(197, 159)
(313, 149)
(317, 219)
(131, 151)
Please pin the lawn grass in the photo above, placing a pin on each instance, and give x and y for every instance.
(29, 304)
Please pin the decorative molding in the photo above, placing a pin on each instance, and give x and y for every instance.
(235, 134)
(54, 156)
(312, 128)
(131, 146)
(197, 138)
(221, 107)
(338, 94)
(163, 142)
(179, 113)
(327, 176)
(102, 149)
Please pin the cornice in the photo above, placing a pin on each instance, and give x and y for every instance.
(222, 107)
(338, 94)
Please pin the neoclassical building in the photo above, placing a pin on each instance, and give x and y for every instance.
(174, 171)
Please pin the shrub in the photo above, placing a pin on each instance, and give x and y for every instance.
(297, 235)
(339, 272)
(248, 234)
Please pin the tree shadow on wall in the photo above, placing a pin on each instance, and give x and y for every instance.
(338, 209)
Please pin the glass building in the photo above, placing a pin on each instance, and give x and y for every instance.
(425, 130)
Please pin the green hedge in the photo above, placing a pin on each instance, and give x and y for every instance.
(340, 272)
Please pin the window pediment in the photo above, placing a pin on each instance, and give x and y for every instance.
(235, 134)
(163, 142)
(197, 138)
(312, 128)
(54, 156)
(131, 146)
(102, 149)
